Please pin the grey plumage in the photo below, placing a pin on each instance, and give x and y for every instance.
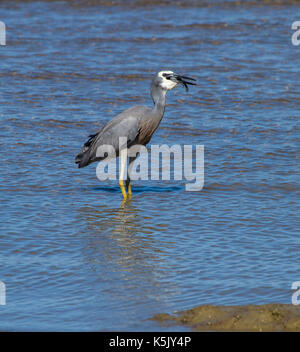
(137, 123)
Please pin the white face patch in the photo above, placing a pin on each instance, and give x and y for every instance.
(166, 83)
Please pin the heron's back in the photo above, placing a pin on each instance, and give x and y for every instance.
(129, 124)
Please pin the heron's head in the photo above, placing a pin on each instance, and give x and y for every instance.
(168, 80)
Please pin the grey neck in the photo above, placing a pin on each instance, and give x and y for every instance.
(159, 99)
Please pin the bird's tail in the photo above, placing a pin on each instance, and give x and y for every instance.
(83, 158)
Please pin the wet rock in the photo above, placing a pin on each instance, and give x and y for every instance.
(267, 317)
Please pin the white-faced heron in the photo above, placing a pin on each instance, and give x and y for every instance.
(136, 124)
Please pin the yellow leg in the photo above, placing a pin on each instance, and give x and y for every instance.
(123, 157)
(122, 186)
(128, 185)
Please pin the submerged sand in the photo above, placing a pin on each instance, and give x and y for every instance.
(267, 317)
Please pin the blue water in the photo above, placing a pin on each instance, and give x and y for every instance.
(73, 257)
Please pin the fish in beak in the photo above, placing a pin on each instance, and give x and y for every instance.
(184, 80)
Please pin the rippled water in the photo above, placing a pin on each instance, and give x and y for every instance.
(72, 257)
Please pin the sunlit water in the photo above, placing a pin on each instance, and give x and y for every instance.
(72, 257)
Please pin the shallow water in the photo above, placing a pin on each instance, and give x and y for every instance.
(72, 257)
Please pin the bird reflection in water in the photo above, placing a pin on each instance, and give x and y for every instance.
(121, 246)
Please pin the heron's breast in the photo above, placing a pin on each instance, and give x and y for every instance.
(146, 131)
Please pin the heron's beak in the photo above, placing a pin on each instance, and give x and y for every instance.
(184, 80)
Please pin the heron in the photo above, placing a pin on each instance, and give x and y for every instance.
(137, 124)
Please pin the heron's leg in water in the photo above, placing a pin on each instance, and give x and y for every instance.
(123, 156)
(128, 185)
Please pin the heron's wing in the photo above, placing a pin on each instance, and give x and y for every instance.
(126, 125)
